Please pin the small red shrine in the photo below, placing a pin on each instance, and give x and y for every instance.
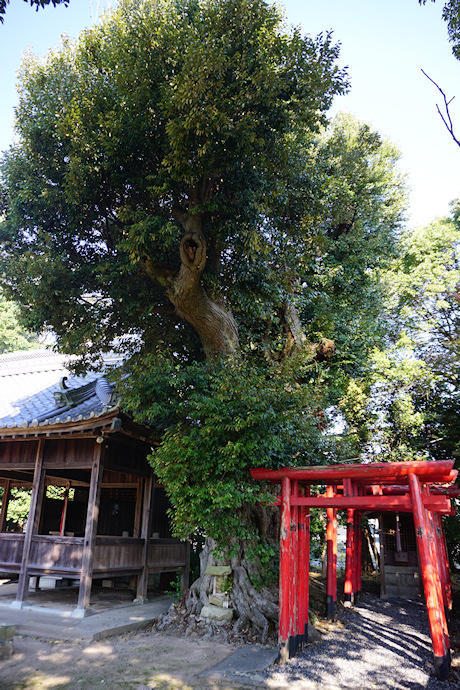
(423, 489)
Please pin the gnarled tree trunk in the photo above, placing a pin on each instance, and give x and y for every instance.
(252, 606)
(213, 321)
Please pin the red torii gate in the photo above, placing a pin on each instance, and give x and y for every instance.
(421, 488)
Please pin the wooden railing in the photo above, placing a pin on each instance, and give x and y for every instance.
(117, 555)
(167, 555)
(54, 554)
(112, 555)
(11, 547)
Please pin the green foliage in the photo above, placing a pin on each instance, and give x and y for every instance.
(18, 508)
(59, 492)
(221, 420)
(396, 409)
(161, 98)
(425, 290)
(176, 587)
(451, 14)
(406, 406)
(424, 281)
(12, 335)
(398, 380)
(359, 218)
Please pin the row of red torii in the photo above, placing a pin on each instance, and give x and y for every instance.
(422, 488)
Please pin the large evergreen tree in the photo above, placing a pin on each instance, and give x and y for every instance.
(173, 193)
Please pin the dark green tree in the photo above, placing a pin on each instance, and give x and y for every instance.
(173, 194)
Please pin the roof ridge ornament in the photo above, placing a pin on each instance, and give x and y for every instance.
(70, 397)
(105, 392)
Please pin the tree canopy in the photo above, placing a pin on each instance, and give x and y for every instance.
(168, 120)
(406, 405)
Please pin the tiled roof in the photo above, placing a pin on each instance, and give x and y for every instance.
(36, 389)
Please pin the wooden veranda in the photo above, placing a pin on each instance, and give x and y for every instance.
(111, 520)
(421, 488)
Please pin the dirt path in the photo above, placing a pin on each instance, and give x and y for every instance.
(379, 644)
(138, 661)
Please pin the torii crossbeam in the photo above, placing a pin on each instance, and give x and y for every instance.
(421, 488)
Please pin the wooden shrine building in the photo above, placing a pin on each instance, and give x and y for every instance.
(109, 520)
(419, 489)
(399, 565)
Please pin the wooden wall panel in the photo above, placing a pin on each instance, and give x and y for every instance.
(128, 457)
(72, 452)
(18, 454)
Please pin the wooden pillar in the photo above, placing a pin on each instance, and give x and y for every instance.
(444, 560)
(142, 581)
(32, 525)
(284, 590)
(349, 570)
(293, 565)
(331, 574)
(138, 508)
(92, 517)
(437, 579)
(304, 568)
(5, 501)
(434, 606)
(383, 589)
(357, 555)
(360, 551)
(64, 510)
(133, 580)
(435, 552)
(185, 579)
(436, 556)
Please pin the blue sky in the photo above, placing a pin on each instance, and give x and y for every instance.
(385, 44)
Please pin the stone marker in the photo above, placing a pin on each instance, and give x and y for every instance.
(7, 632)
(217, 613)
(218, 570)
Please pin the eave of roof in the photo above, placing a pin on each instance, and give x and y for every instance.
(92, 423)
(106, 424)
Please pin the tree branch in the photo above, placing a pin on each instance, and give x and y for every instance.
(294, 325)
(445, 118)
(160, 273)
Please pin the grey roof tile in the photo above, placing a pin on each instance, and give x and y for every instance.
(28, 383)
